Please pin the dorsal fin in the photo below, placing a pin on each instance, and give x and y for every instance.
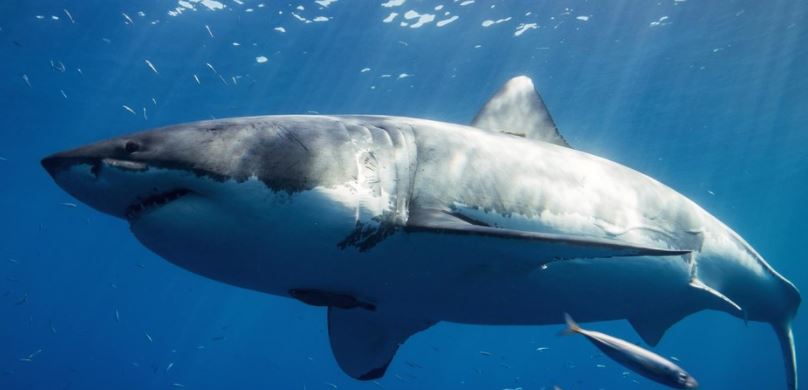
(518, 109)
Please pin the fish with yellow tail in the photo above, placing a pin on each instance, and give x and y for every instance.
(636, 358)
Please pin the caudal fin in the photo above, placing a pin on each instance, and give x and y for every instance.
(786, 337)
(572, 327)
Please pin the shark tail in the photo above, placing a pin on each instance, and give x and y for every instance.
(786, 337)
(572, 326)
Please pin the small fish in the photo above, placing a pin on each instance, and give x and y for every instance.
(154, 101)
(148, 336)
(128, 19)
(127, 108)
(146, 117)
(69, 16)
(211, 67)
(485, 353)
(117, 316)
(542, 349)
(33, 355)
(636, 358)
(151, 66)
(27, 81)
(22, 300)
(333, 386)
(209, 32)
(64, 95)
(58, 66)
(177, 385)
(68, 204)
(168, 368)
(52, 328)
(197, 79)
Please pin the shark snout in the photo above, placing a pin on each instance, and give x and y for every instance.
(59, 162)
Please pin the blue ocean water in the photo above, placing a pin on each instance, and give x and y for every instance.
(710, 98)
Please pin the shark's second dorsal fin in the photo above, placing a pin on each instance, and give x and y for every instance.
(518, 109)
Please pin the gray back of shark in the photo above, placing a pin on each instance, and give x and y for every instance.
(397, 223)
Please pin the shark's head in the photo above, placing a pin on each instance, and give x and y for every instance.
(134, 175)
(204, 188)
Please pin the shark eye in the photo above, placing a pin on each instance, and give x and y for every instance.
(131, 147)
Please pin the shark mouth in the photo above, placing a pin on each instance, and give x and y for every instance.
(153, 202)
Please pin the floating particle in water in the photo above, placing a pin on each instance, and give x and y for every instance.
(489, 22)
(600, 365)
(152, 67)
(363, 70)
(485, 353)
(524, 27)
(117, 316)
(145, 117)
(393, 3)
(68, 204)
(333, 386)
(659, 22)
(404, 75)
(177, 385)
(170, 365)
(128, 19)
(444, 22)
(27, 81)
(127, 108)
(280, 29)
(583, 18)
(390, 17)
(148, 336)
(69, 16)
(261, 59)
(64, 95)
(22, 300)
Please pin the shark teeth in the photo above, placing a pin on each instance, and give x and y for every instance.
(137, 209)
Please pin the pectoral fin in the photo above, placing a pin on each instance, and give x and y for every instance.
(364, 342)
(653, 326)
(553, 247)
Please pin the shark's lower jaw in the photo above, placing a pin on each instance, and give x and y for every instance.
(153, 202)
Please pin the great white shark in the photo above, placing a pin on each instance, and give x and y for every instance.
(396, 223)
